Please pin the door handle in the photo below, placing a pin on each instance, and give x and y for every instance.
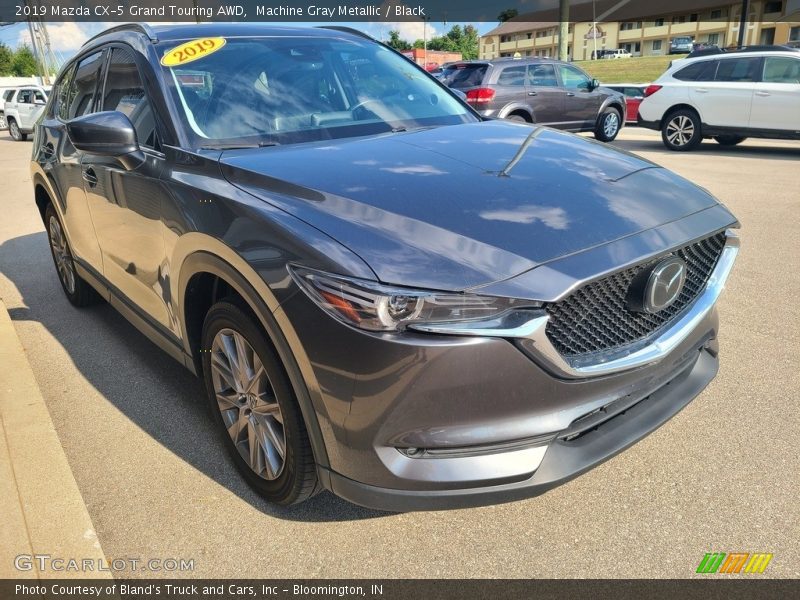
(701, 90)
(532, 93)
(763, 94)
(570, 94)
(89, 176)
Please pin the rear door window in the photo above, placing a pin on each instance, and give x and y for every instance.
(513, 76)
(464, 75)
(542, 75)
(739, 69)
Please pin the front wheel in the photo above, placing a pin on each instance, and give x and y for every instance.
(252, 401)
(729, 140)
(682, 131)
(608, 125)
(14, 129)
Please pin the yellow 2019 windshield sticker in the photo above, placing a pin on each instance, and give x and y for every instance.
(191, 51)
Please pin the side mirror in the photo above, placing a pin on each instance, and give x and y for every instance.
(595, 84)
(108, 133)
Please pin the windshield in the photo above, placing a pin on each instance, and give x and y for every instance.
(262, 91)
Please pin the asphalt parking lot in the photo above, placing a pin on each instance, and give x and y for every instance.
(723, 475)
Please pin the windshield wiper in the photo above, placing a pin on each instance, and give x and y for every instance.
(236, 146)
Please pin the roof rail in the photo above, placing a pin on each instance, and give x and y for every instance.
(140, 27)
(350, 30)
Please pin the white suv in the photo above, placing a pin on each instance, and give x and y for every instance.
(22, 109)
(729, 96)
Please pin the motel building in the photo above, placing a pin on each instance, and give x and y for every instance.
(611, 24)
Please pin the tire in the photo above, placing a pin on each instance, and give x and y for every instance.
(260, 408)
(517, 119)
(729, 140)
(608, 125)
(15, 132)
(682, 130)
(77, 290)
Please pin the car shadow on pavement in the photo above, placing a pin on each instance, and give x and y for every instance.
(135, 376)
(711, 148)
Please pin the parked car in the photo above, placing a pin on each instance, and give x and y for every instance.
(539, 90)
(23, 108)
(634, 94)
(618, 53)
(386, 295)
(728, 97)
(681, 45)
(5, 93)
(598, 54)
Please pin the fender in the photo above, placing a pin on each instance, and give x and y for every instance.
(613, 102)
(516, 106)
(220, 260)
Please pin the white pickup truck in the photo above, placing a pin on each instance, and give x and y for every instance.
(23, 107)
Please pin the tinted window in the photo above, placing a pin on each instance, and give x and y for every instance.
(512, 76)
(463, 76)
(780, 69)
(25, 97)
(124, 92)
(542, 75)
(738, 69)
(572, 78)
(699, 71)
(83, 85)
(7, 95)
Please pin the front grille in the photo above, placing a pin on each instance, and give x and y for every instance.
(595, 317)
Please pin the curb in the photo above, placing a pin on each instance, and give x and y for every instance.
(44, 512)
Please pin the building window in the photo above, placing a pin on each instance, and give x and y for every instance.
(693, 17)
(656, 45)
(794, 34)
(505, 38)
(716, 14)
(680, 19)
(659, 23)
(529, 35)
(773, 7)
(631, 26)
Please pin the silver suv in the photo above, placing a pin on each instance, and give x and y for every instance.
(541, 91)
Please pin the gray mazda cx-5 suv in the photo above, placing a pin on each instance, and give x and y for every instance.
(539, 90)
(386, 295)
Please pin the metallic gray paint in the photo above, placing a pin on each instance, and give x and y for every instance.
(409, 209)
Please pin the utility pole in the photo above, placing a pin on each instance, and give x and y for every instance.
(563, 28)
(743, 22)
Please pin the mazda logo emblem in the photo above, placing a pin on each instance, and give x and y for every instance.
(658, 286)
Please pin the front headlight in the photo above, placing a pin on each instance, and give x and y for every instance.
(375, 307)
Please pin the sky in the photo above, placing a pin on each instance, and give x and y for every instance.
(66, 38)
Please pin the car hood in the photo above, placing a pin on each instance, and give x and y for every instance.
(458, 206)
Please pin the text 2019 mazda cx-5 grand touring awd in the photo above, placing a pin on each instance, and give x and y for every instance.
(386, 295)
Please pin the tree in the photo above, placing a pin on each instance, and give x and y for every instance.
(507, 15)
(6, 60)
(24, 62)
(396, 42)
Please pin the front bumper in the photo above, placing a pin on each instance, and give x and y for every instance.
(563, 460)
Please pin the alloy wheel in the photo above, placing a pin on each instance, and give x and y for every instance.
(61, 254)
(611, 125)
(14, 129)
(247, 402)
(680, 130)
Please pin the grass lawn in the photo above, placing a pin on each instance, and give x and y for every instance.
(642, 69)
